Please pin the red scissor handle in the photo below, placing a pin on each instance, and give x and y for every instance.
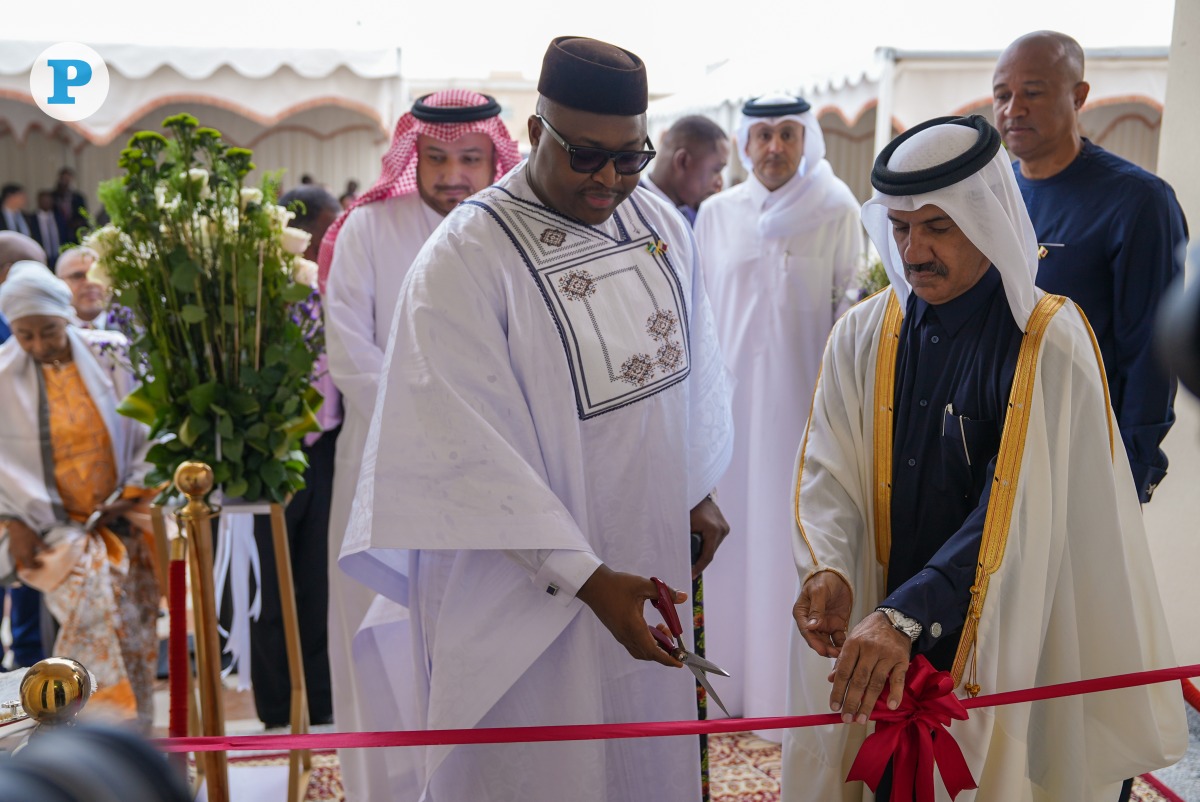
(665, 604)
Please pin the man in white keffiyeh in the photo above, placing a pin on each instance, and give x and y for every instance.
(449, 146)
(961, 495)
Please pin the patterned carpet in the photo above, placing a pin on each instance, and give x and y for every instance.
(744, 769)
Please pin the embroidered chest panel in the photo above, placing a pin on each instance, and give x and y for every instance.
(616, 301)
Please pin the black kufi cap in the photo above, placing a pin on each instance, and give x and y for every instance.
(753, 108)
(591, 75)
(454, 114)
(918, 182)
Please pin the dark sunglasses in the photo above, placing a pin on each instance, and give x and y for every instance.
(592, 160)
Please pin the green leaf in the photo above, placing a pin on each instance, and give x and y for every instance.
(300, 360)
(139, 406)
(257, 432)
(273, 473)
(295, 293)
(224, 424)
(193, 314)
(275, 355)
(183, 273)
(243, 405)
(193, 426)
(201, 397)
(253, 488)
(232, 448)
(236, 488)
(159, 454)
(222, 473)
(303, 423)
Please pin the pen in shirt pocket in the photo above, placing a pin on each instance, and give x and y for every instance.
(962, 430)
(1043, 246)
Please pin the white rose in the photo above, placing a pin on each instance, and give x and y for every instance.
(304, 272)
(295, 240)
(230, 220)
(251, 195)
(103, 240)
(198, 176)
(280, 215)
(98, 274)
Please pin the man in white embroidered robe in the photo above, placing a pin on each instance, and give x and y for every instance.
(1045, 577)
(450, 145)
(779, 253)
(554, 405)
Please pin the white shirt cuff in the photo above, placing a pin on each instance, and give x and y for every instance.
(565, 571)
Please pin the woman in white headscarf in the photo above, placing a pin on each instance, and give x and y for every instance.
(70, 474)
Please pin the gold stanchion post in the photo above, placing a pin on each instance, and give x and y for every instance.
(195, 481)
(299, 760)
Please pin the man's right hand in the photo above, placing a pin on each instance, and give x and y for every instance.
(24, 545)
(619, 601)
(823, 612)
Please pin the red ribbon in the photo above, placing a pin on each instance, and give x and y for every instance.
(915, 739)
(656, 729)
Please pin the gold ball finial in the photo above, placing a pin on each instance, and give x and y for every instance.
(194, 479)
(54, 690)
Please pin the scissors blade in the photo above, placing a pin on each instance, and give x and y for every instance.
(699, 674)
(699, 663)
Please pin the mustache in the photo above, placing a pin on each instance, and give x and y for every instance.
(936, 268)
(451, 188)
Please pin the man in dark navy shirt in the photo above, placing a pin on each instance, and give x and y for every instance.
(1110, 234)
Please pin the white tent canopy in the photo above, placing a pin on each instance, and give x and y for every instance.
(862, 108)
(327, 112)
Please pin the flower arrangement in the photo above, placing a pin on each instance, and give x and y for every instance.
(224, 324)
(871, 276)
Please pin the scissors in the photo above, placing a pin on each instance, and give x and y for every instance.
(698, 665)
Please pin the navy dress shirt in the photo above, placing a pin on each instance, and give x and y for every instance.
(954, 370)
(1112, 237)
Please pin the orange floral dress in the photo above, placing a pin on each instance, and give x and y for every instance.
(108, 604)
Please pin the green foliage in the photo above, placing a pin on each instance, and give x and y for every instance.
(872, 277)
(226, 338)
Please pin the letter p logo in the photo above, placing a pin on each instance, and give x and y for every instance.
(69, 81)
(64, 79)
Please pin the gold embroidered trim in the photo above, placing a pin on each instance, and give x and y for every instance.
(1004, 482)
(884, 398)
(811, 407)
(1103, 379)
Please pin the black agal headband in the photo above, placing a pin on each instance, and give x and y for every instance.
(753, 108)
(454, 114)
(918, 182)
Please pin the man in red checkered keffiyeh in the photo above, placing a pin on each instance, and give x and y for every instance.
(448, 147)
(442, 117)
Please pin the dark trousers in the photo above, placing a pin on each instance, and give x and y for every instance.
(25, 620)
(308, 540)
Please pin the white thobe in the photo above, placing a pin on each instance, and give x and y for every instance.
(1071, 592)
(775, 298)
(553, 395)
(375, 249)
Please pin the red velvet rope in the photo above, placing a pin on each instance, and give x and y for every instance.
(177, 650)
(658, 729)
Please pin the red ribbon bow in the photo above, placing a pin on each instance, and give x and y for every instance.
(914, 737)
